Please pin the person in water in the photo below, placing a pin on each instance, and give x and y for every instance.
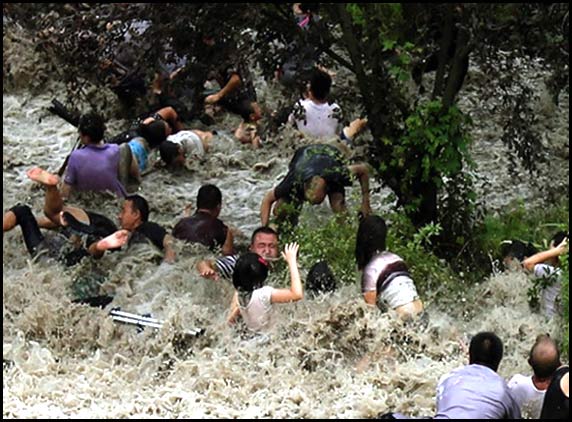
(253, 300)
(385, 277)
(556, 400)
(316, 171)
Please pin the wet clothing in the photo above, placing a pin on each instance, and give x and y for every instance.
(139, 151)
(314, 160)
(528, 397)
(149, 231)
(190, 142)
(550, 295)
(257, 313)
(317, 120)
(201, 228)
(225, 265)
(555, 405)
(387, 275)
(57, 245)
(239, 101)
(475, 392)
(94, 168)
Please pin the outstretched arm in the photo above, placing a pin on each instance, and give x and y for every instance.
(530, 262)
(234, 310)
(232, 85)
(296, 291)
(266, 207)
(361, 171)
(169, 251)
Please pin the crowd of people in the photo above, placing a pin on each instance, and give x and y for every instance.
(70, 234)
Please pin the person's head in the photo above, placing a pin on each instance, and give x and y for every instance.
(513, 252)
(209, 198)
(250, 272)
(134, 212)
(320, 84)
(315, 190)
(320, 278)
(544, 357)
(264, 242)
(155, 132)
(486, 349)
(371, 235)
(172, 154)
(91, 127)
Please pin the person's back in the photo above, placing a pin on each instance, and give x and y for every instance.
(529, 391)
(201, 228)
(476, 391)
(556, 401)
(320, 120)
(94, 167)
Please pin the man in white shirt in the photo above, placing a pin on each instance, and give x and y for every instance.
(315, 116)
(528, 391)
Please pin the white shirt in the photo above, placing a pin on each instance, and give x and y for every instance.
(320, 121)
(528, 397)
(257, 313)
(550, 294)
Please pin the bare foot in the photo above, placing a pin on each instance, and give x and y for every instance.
(116, 240)
(42, 176)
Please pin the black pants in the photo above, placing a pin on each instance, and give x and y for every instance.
(33, 237)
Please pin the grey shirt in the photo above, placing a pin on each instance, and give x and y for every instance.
(475, 392)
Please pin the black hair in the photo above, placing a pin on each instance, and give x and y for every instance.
(320, 278)
(168, 151)
(517, 249)
(92, 125)
(138, 203)
(249, 272)
(154, 133)
(558, 238)
(209, 197)
(542, 367)
(320, 84)
(371, 235)
(264, 230)
(486, 349)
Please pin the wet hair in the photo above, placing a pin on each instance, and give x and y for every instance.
(250, 272)
(168, 151)
(138, 203)
(92, 125)
(154, 133)
(543, 367)
(486, 349)
(263, 230)
(558, 238)
(371, 235)
(320, 278)
(517, 249)
(320, 84)
(209, 197)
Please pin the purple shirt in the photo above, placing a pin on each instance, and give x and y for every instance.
(475, 392)
(95, 168)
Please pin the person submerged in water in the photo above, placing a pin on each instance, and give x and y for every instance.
(253, 300)
(385, 279)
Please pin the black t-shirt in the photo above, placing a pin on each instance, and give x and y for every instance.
(149, 231)
(314, 160)
(555, 405)
(201, 228)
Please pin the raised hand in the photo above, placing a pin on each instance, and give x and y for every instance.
(290, 252)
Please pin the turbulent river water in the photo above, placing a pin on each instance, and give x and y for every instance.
(67, 360)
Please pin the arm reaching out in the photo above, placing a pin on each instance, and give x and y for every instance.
(296, 291)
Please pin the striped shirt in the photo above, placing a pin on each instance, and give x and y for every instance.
(225, 265)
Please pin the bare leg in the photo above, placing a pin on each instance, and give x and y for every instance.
(354, 128)
(9, 221)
